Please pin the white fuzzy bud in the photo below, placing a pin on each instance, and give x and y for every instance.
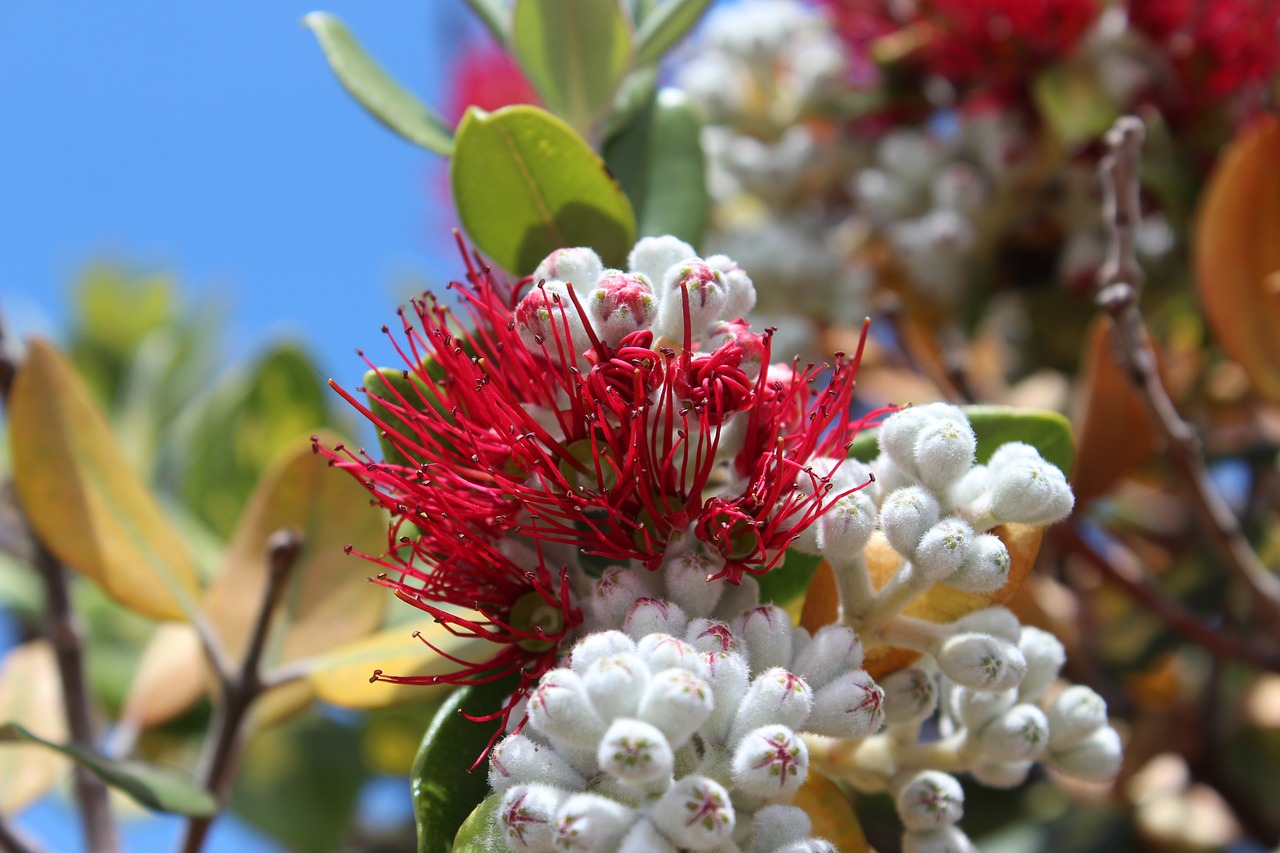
(775, 696)
(1030, 492)
(601, 644)
(850, 706)
(1013, 451)
(846, 526)
(737, 598)
(976, 708)
(1097, 758)
(948, 839)
(615, 684)
(1019, 734)
(549, 323)
(807, 845)
(1076, 713)
(695, 814)
(889, 478)
(706, 293)
(560, 709)
(663, 651)
(677, 702)
(770, 762)
(655, 616)
(685, 576)
(766, 633)
(518, 760)
(619, 304)
(930, 800)
(985, 567)
(775, 826)
(644, 837)
(970, 487)
(832, 651)
(999, 621)
(982, 662)
(653, 256)
(712, 635)
(944, 453)
(527, 817)
(579, 266)
(614, 593)
(591, 824)
(729, 677)
(740, 292)
(1002, 774)
(898, 436)
(906, 516)
(1045, 657)
(635, 753)
(910, 695)
(943, 549)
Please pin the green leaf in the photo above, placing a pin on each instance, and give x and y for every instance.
(154, 787)
(1073, 103)
(659, 161)
(388, 101)
(788, 582)
(635, 93)
(574, 52)
(665, 26)
(480, 832)
(526, 185)
(494, 14)
(402, 388)
(444, 792)
(1048, 432)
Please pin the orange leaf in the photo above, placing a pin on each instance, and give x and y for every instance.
(1238, 252)
(30, 695)
(832, 814)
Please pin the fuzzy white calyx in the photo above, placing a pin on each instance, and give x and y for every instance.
(930, 800)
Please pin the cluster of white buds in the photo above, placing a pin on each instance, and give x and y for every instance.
(681, 733)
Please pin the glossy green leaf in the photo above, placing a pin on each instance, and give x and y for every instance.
(1048, 432)
(400, 388)
(388, 101)
(525, 184)
(495, 14)
(444, 793)
(665, 26)
(154, 787)
(84, 500)
(574, 52)
(787, 583)
(659, 161)
(480, 832)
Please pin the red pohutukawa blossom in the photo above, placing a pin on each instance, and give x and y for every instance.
(589, 417)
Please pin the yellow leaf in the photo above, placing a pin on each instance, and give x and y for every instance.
(939, 603)
(832, 814)
(1238, 251)
(30, 695)
(170, 677)
(341, 677)
(82, 497)
(328, 600)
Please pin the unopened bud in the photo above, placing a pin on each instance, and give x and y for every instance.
(910, 695)
(527, 816)
(982, 662)
(1045, 657)
(696, 813)
(833, 650)
(653, 256)
(850, 706)
(560, 709)
(985, 567)
(1076, 713)
(930, 800)
(740, 292)
(517, 760)
(619, 304)
(676, 702)
(579, 266)
(770, 762)
(635, 753)
(775, 696)
(591, 824)
(1097, 758)
(943, 549)
(655, 616)
(1019, 734)
(906, 516)
(685, 576)
(944, 452)
(948, 839)
(766, 632)
(615, 684)
(1002, 774)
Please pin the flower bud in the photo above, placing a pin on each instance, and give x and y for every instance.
(910, 695)
(775, 696)
(930, 800)
(738, 597)
(832, 651)
(944, 453)
(1097, 758)
(677, 702)
(685, 576)
(560, 709)
(740, 292)
(601, 644)
(766, 633)
(906, 516)
(706, 297)
(1002, 774)
(948, 839)
(846, 526)
(695, 814)
(975, 708)
(613, 595)
(619, 304)
(635, 753)
(970, 487)
(1045, 657)
(527, 817)
(591, 823)
(898, 436)
(985, 567)
(777, 825)
(654, 616)
(942, 550)
(549, 323)
(653, 256)
(712, 635)
(1012, 452)
(999, 621)
(664, 651)
(615, 684)
(771, 762)
(1076, 713)
(1019, 734)
(729, 677)
(1030, 492)
(982, 662)
(518, 760)
(579, 266)
(850, 706)
(644, 837)
(807, 845)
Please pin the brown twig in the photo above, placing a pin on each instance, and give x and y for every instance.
(1120, 566)
(65, 634)
(242, 688)
(1118, 283)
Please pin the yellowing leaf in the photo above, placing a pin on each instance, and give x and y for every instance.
(170, 677)
(832, 814)
(938, 604)
(341, 676)
(30, 695)
(1238, 250)
(83, 498)
(328, 600)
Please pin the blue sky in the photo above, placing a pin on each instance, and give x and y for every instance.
(210, 139)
